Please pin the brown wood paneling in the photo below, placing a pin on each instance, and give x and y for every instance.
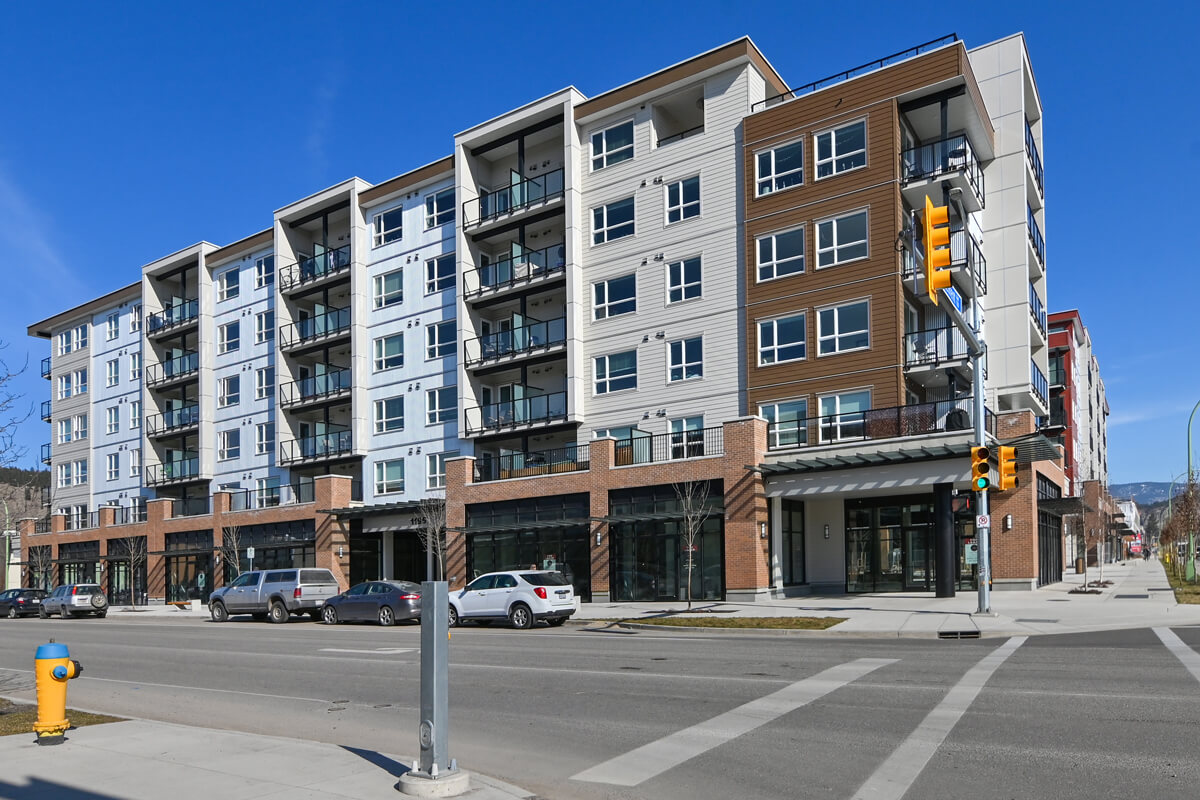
(409, 179)
(252, 242)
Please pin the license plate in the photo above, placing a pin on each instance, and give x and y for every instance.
(561, 593)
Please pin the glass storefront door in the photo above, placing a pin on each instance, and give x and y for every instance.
(124, 589)
(889, 544)
(189, 577)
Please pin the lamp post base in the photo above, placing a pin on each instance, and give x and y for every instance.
(447, 784)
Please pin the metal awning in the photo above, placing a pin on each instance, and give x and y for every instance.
(653, 516)
(376, 509)
(852, 460)
(502, 527)
(1033, 447)
(1064, 506)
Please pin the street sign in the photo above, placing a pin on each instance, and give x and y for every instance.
(972, 553)
(250, 553)
(983, 521)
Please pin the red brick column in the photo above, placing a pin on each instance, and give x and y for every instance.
(460, 474)
(601, 455)
(107, 516)
(747, 564)
(333, 535)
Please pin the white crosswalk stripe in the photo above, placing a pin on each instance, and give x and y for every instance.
(1186, 655)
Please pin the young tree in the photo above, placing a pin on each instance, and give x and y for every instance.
(693, 504)
(1184, 523)
(41, 567)
(13, 412)
(135, 550)
(231, 550)
(430, 521)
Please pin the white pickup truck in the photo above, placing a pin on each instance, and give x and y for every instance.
(274, 594)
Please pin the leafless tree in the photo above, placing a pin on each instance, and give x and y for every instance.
(231, 549)
(1184, 523)
(40, 559)
(694, 506)
(13, 412)
(135, 550)
(430, 521)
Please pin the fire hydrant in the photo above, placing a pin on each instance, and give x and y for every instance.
(54, 667)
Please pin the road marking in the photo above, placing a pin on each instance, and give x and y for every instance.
(659, 756)
(382, 651)
(895, 775)
(1186, 655)
(203, 689)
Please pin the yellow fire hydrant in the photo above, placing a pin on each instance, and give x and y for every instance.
(54, 667)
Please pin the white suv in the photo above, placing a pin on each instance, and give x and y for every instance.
(522, 597)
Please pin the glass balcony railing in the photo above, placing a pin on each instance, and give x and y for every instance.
(1058, 372)
(46, 368)
(326, 445)
(572, 458)
(490, 205)
(943, 157)
(331, 323)
(1035, 236)
(172, 315)
(1041, 386)
(535, 409)
(515, 269)
(174, 419)
(1036, 310)
(169, 471)
(1035, 158)
(45, 454)
(46, 412)
(172, 369)
(313, 268)
(314, 388)
(530, 338)
(191, 507)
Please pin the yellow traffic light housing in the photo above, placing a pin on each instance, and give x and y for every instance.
(935, 227)
(1008, 468)
(980, 467)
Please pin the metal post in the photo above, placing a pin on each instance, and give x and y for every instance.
(1191, 568)
(945, 563)
(433, 733)
(983, 535)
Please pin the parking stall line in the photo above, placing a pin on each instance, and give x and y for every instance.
(1186, 655)
(657, 757)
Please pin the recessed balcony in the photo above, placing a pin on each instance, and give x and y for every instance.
(538, 410)
(46, 450)
(175, 370)
(950, 160)
(1034, 160)
(184, 470)
(504, 347)
(513, 201)
(316, 330)
(967, 264)
(174, 422)
(929, 353)
(312, 449)
(1037, 316)
(1037, 245)
(530, 268)
(327, 267)
(173, 318)
(317, 389)
(917, 419)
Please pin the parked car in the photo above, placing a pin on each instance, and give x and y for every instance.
(523, 597)
(20, 602)
(385, 601)
(274, 594)
(75, 598)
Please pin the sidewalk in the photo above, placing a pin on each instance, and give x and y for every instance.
(142, 760)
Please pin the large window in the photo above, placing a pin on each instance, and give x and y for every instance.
(684, 280)
(841, 239)
(439, 273)
(615, 372)
(787, 422)
(439, 208)
(683, 199)
(112, 326)
(612, 221)
(779, 168)
(792, 557)
(264, 438)
(264, 382)
(64, 386)
(841, 149)
(687, 437)
(389, 414)
(387, 226)
(81, 427)
(441, 339)
(614, 296)
(843, 328)
(441, 405)
(112, 419)
(228, 337)
(389, 352)
(81, 381)
(780, 254)
(686, 358)
(65, 431)
(135, 463)
(842, 415)
(389, 288)
(389, 476)
(79, 472)
(229, 391)
(435, 469)
(112, 372)
(612, 145)
(782, 339)
(80, 336)
(264, 271)
(229, 444)
(228, 284)
(264, 326)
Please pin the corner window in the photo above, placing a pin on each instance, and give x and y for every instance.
(615, 372)
(441, 405)
(229, 444)
(780, 254)
(843, 415)
(112, 327)
(684, 281)
(781, 340)
(683, 199)
(612, 145)
(435, 469)
(841, 149)
(389, 288)
(686, 359)
(614, 297)
(779, 168)
(841, 239)
(387, 226)
(441, 339)
(389, 414)
(389, 476)
(389, 352)
(228, 337)
(228, 284)
(439, 273)
(439, 208)
(264, 271)
(264, 326)
(612, 221)
(843, 328)
(787, 422)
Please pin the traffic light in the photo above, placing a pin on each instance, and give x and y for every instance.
(1008, 468)
(980, 468)
(935, 227)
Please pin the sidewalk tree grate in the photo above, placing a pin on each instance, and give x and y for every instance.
(1132, 596)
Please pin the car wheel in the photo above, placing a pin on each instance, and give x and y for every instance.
(12, 612)
(218, 613)
(554, 623)
(42, 612)
(520, 616)
(387, 617)
(329, 615)
(279, 614)
(452, 617)
(99, 601)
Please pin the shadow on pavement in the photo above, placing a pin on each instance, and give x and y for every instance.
(391, 765)
(39, 789)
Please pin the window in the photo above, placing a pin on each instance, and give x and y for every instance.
(843, 328)
(135, 463)
(81, 427)
(779, 168)
(64, 343)
(264, 271)
(63, 475)
(614, 297)
(64, 386)
(79, 472)
(441, 339)
(112, 372)
(229, 444)
(228, 336)
(389, 352)
(135, 366)
(264, 438)
(266, 492)
(387, 226)
(687, 437)
(841, 239)
(112, 419)
(81, 337)
(435, 469)
(81, 377)
(439, 273)
(112, 326)
(439, 208)
(389, 288)
(616, 372)
(612, 221)
(841, 149)
(683, 280)
(842, 415)
(686, 359)
(787, 422)
(229, 391)
(781, 340)
(112, 466)
(264, 382)
(441, 405)
(612, 145)
(135, 414)
(135, 318)
(780, 254)
(264, 326)
(65, 429)
(389, 476)
(683, 199)
(389, 414)
(228, 284)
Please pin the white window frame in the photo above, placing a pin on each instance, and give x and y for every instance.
(79, 472)
(264, 271)
(770, 412)
(435, 215)
(380, 360)
(837, 333)
(381, 297)
(64, 343)
(66, 431)
(384, 423)
(684, 285)
(135, 463)
(436, 414)
(607, 157)
(264, 326)
(81, 381)
(264, 382)
(683, 365)
(439, 344)
(837, 245)
(62, 475)
(81, 427)
(112, 372)
(135, 318)
(135, 366)
(112, 466)
(435, 469)
(226, 397)
(229, 444)
(835, 156)
(112, 326)
(773, 178)
(774, 262)
(225, 342)
(112, 419)
(687, 437)
(65, 386)
(80, 335)
(384, 484)
(227, 287)
(686, 209)
(605, 232)
(264, 444)
(838, 425)
(606, 305)
(603, 385)
(135, 415)
(435, 282)
(776, 345)
(381, 235)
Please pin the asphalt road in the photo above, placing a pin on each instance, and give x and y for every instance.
(571, 713)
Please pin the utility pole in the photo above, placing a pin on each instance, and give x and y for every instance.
(1191, 567)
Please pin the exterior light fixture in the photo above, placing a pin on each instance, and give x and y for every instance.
(762, 530)
(826, 530)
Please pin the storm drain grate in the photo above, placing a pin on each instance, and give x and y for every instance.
(1132, 596)
(958, 634)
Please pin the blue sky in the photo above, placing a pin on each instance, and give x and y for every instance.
(132, 130)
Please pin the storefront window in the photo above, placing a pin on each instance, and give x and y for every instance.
(188, 564)
(792, 557)
(564, 549)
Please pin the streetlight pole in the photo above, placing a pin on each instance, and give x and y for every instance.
(1191, 569)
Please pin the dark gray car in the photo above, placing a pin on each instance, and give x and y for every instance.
(20, 602)
(382, 601)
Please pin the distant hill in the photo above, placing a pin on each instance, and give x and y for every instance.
(21, 491)
(1144, 493)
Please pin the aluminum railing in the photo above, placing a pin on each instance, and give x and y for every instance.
(917, 419)
(326, 445)
(674, 446)
(943, 157)
(525, 339)
(491, 205)
(1041, 387)
(538, 408)
(167, 471)
(46, 454)
(515, 269)
(571, 458)
(934, 346)
(313, 268)
(314, 387)
(331, 323)
(176, 418)
(1035, 236)
(46, 368)
(1035, 158)
(172, 315)
(1036, 310)
(172, 369)
(46, 413)
(191, 507)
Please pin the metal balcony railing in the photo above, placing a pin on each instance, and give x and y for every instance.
(191, 507)
(1035, 158)
(918, 419)
(674, 446)
(934, 346)
(491, 205)
(1058, 373)
(572, 458)
(169, 471)
(130, 515)
(45, 454)
(172, 369)
(331, 323)
(679, 137)
(943, 157)
(173, 315)
(326, 445)
(1036, 310)
(314, 388)
(356, 491)
(41, 526)
(46, 413)
(515, 269)
(535, 409)
(1041, 386)
(46, 368)
(964, 251)
(1058, 419)
(313, 268)
(176, 418)
(1035, 236)
(79, 522)
(529, 338)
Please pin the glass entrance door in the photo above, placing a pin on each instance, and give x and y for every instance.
(918, 567)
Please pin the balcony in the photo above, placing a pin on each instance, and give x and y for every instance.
(173, 370)
(952, 160)
(573, 458)
(315, 389)
(539, 409)
(1037, 313)
(533, 266)
(313, 270)
(181, 471)
(919, 419)
(174, 421)
(491, 206)
(79, 522)
(1036, 242)
(1058, 373)
(1035, 160)
(314, 330)
(1041, 386)
(46, 413)
(272, 496)
(41, 526)
(507, 346)
(46, 368)
(967, 264)
(45, 454)
(173, 317)
(130, 515)
(323, 447)
(675, 446)
(191, 507)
